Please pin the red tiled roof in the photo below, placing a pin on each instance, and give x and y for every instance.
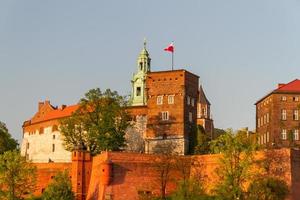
(58, 113)
(293, 86)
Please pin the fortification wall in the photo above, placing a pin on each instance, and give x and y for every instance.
(134, 174)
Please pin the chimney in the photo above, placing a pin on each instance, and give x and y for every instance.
(280, 85)
(63, 107)
(40, 105)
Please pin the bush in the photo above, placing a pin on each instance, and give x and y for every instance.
(268, 189)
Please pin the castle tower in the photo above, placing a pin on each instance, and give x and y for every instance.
(203, 113)
(138, 93)
(81, 167)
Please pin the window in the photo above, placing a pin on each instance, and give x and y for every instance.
(53, 137)
(295, 99)
(138, 91)
(268, 118)
(261, 139)
(53, 147)
(258, 122)
(199, 111)
(190, 117)
(188, 100)
(171, 99)
(295, 115)
(165, 115)
(265, 119)
(159, 100)
(268, 137)
(296, 134)
(283, 114)
(54, 128)
(283, 98)
(283, 134)
(193, 101)
(141, 66)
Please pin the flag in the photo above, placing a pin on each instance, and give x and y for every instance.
(170, 48)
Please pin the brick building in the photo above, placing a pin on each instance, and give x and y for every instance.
(277, 116)
(164, 105)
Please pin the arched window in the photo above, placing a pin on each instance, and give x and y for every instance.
(141, 66)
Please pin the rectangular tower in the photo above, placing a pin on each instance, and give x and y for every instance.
(172, 109)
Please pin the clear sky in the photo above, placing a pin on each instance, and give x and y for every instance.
(57, 50)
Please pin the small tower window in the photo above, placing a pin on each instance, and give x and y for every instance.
(138, 91)
(171, 99)
(159, 100)
(141, 66)
(53, 147)
(165, 115)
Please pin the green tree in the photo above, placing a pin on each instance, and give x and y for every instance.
(6, 141)
(17, 177)
(235, 164)
(199, 141)
(60, 188)
(189, 190)
(268, 188)
(99, 123)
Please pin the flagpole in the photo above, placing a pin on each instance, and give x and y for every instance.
(172, 61)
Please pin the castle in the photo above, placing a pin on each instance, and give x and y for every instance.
(165, 105)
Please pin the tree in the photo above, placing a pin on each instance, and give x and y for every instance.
(100, 122)
(199, 141)
(134, 135)
(268, 188)
(6, 141)
(235, 164)
(188, 190)
(60, 188)
(17, 177)
(164, 164)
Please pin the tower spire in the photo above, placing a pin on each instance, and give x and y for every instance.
(145, 43)
(138, 93)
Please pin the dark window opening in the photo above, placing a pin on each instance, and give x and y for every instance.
(141, 66)
(53, 147)
(138, 91)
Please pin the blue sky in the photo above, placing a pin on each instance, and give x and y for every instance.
(57, 50)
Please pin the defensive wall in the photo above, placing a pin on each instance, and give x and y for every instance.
(120, 175)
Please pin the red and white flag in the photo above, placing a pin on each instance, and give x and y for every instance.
(170, 48)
